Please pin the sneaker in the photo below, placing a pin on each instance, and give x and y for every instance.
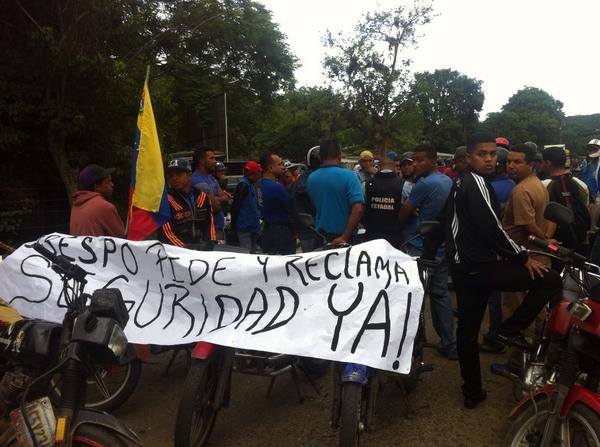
(492, 345)
(450, 354)
(505, 370)
(472, 400)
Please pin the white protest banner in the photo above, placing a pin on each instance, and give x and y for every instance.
(359, 304)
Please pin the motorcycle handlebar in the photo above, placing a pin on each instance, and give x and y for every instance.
(569, 256)
(69, 269)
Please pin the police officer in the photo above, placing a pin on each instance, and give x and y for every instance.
(383, 197)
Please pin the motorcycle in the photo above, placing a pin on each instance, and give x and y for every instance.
(562, 407)
(207, 387)
(34, 351)
(355, 386)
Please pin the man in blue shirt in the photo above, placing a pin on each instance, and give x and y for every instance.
(426, 202)
(277, 235)
(336, 194)
(589, 175)
(245, 212)
(205, 163)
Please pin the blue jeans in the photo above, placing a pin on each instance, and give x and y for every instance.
(441, 302)
(247, 239)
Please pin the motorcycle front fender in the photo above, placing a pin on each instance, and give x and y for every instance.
(576, 394)
(144, 353)
(580, 394)
(202, 350)
(353, 372)
(104, 420)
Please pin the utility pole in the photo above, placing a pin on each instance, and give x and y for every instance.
(226, 129)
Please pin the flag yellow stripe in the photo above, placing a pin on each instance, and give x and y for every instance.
(150, 178)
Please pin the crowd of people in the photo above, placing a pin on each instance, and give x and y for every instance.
(489, 201)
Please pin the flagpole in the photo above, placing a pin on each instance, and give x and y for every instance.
(147, 74)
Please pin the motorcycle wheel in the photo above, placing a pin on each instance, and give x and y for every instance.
(119, 382)
(197, 413)
(581, 426)
(351, 415)
(88, 436)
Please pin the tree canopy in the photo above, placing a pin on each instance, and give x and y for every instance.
(450, 103)
(531, 114)
(372, 69)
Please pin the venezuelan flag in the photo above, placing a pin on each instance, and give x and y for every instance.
(148, 204)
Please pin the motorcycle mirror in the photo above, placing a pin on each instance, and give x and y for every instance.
(428, 226)
(306, 220)
(559, 214)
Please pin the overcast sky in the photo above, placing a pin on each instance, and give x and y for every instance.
(507, 44)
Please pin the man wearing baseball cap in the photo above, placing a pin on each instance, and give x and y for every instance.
(192, 220)
(92, 214)
(221, 176)
(366, 169)
(245, 212)
(408, 174)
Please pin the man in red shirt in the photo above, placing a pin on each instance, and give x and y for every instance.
(92, 214)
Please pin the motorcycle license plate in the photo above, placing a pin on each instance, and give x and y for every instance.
(42, 420)
(580, 310)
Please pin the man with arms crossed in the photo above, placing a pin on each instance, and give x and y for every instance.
(425, 202)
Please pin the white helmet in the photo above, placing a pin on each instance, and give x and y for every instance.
(312, 157)
(594, 142)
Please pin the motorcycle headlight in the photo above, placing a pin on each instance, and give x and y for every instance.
(117, 342)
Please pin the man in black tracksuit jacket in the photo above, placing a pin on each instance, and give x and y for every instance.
(483, 258)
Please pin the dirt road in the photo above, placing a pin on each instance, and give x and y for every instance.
(435, 416)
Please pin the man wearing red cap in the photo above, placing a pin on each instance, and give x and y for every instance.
(92, 214)
(245, 211)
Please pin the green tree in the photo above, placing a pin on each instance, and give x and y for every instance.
(450, 103)
(301, 119)
(212, 47)
(76, 70)
(531, 114)
(67, 99)
(371, 69)
(578, 130)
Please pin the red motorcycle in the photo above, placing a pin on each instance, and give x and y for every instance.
(565, 411)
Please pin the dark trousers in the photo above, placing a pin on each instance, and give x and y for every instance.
(472, 291)
(278, 240)
(495, 313)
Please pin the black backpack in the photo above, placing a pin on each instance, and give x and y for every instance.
(564, 190)
(300, 200)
